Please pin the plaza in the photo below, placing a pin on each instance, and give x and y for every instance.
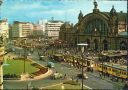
(90, 54)
(68, 67)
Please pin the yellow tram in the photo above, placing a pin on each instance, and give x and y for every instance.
(116, 70)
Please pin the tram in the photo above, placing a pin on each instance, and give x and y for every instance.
(116, 70)
(58, 57)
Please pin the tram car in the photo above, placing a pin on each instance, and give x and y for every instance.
(58, 57)
(115, 70)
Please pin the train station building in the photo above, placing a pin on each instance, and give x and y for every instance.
(100, 30)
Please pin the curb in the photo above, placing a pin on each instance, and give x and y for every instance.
(48, 73)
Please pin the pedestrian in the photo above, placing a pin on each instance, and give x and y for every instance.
(65, 76)
(100, 74)
(72, 78)
(77, 80)
(92, 70)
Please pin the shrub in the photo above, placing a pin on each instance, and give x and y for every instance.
(11, 76)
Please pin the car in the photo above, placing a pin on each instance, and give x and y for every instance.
(29, 54)
(50, 65)
(57, 76)
(115, 79)
(80, 76)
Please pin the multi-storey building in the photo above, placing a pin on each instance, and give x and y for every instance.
(52, 28)
(21, 29)
(37, 30)
(42, 24)
(4, 27)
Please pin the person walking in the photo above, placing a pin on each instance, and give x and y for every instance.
(125, 86)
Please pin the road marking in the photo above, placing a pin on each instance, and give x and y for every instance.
(87, 87)
(62, 83)
(52, 85)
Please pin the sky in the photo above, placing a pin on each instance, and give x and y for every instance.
(65, 10)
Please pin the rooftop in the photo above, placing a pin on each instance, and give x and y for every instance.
(17, 22)
(121, 16)
(55, 21)
(117, 66)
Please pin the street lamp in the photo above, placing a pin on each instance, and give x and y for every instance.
(104, 55)
(82, 51)
(25, 55)
(127, 58)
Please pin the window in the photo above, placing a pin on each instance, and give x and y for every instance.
(99, 24)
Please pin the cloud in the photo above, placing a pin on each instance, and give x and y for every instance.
(61, 9)
(53, 12)
(22, 6)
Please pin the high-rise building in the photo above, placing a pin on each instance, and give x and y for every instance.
(37, 30)
(21, 29)
(42, 24)
(52, 28)
(4, 27)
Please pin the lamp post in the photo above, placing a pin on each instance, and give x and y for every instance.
(101, 55)
(25, 54)
(82, 51)
(24, 57)
(127, 58)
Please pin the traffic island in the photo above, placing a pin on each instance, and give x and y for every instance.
(19, 69)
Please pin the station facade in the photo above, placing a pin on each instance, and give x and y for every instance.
(100, 30)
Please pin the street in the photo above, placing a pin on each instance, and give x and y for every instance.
(94, 82)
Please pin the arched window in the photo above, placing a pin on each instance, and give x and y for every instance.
(105, 44)
(95, 44)
(123, 45)
(99, 24)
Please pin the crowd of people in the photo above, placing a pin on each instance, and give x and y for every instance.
(50, 49)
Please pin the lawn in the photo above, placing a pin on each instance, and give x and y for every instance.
(17, 67)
